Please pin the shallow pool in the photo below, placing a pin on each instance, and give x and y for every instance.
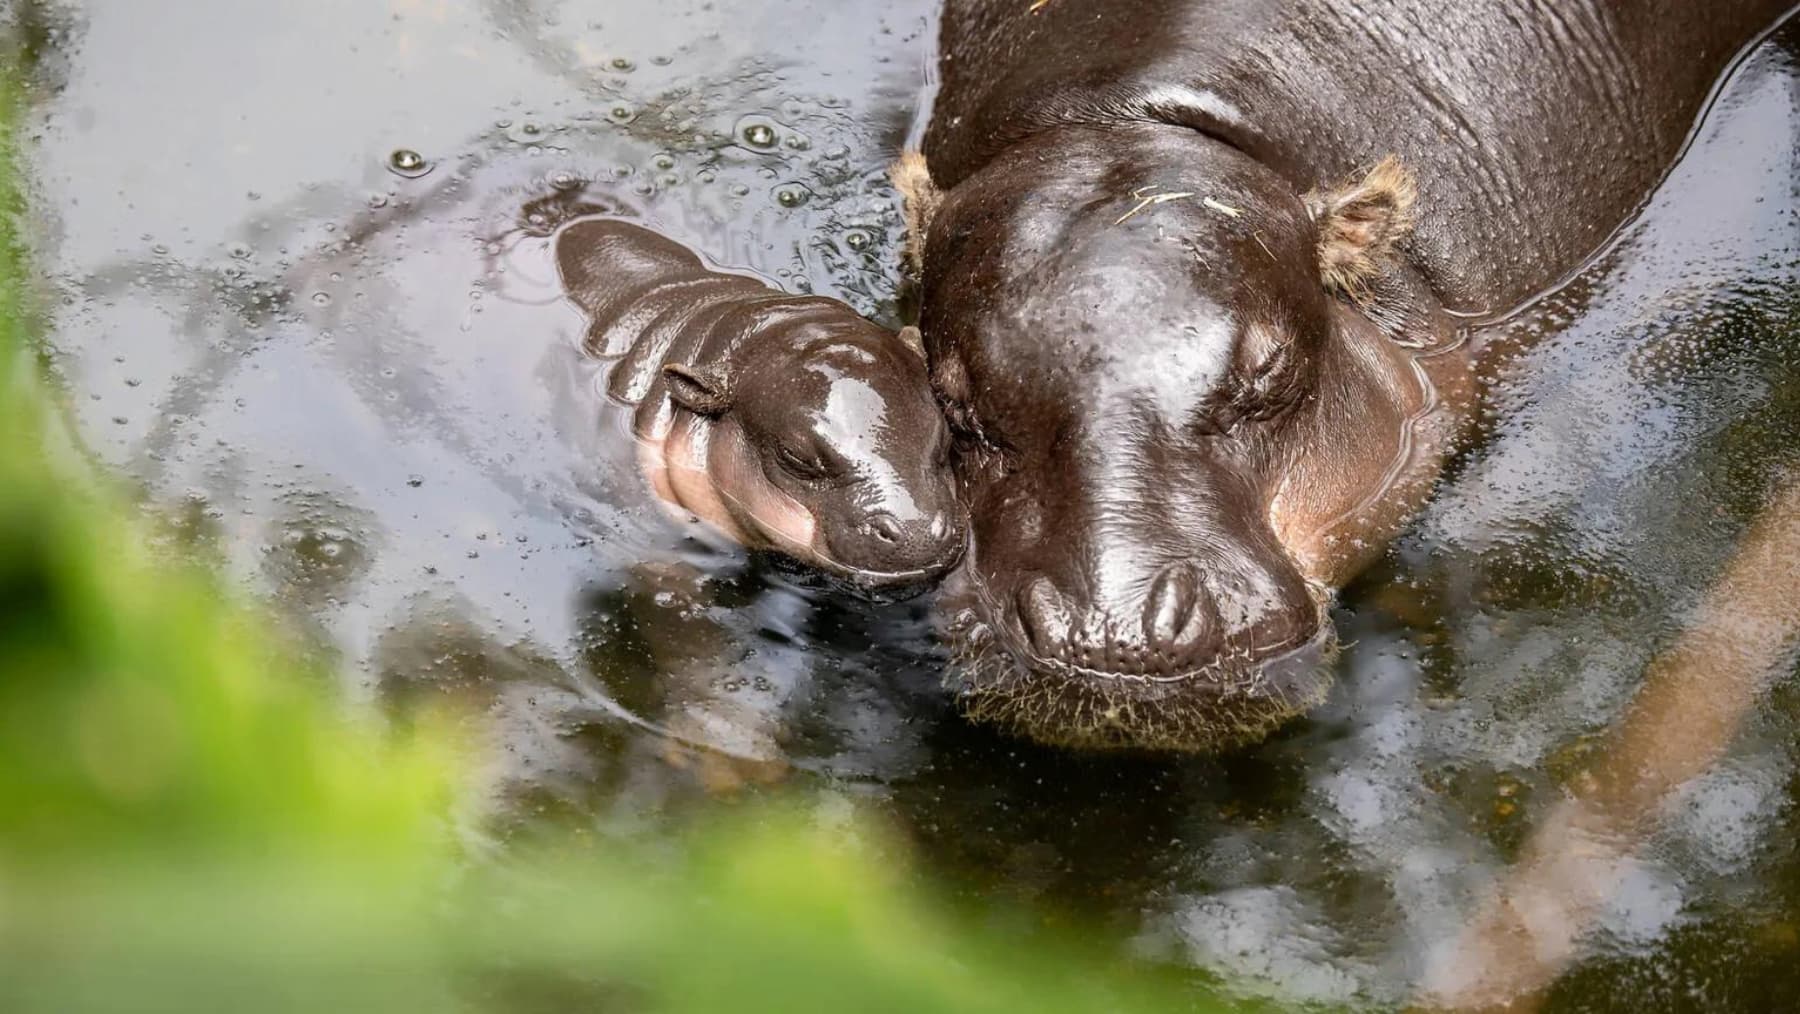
(305, 307)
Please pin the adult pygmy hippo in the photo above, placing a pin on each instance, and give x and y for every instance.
(787, 422)
(1194, 282)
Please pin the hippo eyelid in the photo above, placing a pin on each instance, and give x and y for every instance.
(814, 469)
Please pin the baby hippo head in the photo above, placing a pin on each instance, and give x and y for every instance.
(824, 443)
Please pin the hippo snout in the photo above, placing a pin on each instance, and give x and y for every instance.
(1174, 628)
(1181, 656)
(885, 546)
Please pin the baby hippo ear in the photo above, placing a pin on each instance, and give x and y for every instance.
(702, 390)
(1361, 223)
(913, 341)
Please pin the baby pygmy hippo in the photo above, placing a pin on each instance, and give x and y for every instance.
(788, 422)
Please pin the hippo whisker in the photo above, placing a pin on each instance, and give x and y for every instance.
(1230, 700)
(1147, 200)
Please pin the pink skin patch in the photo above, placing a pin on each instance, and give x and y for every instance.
(707, 470)
(1326, 511)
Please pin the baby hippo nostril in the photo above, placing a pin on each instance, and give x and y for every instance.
(883, 526)
(940, 525)
(1044, 614)
(1175, 613)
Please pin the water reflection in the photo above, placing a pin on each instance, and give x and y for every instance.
(363, 390)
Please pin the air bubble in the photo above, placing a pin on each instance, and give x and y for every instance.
(621, 114)
(663, 160)
(858, 240)
(527, 132)
(408, 163)
(759, 132)
(562, 179)
(792, 195)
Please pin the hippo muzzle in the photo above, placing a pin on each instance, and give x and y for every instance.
(1151, 611)
(891, 547)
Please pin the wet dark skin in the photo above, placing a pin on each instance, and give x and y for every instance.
(1199, 282)
(787, 422)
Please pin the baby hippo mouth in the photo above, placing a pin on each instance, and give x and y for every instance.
(1166, 673)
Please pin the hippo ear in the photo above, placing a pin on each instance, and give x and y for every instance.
(919, 198)
(702, 390)
(1361, 223)
(913, 341)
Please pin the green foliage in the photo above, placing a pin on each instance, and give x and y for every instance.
(188, 823)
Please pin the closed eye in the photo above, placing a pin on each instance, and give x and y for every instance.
(1273, 386)
(807, 466)
(978, 447)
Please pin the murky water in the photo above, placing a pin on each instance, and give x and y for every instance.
(349, 375)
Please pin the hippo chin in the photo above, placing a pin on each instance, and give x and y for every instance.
(1184, 274)
(788, 423)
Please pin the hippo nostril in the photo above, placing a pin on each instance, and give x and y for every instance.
(883, 526)
(1045, 616)
(1170, 603)
(940, 525)
(1177, 612)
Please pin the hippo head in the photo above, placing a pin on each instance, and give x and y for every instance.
(1184, 393)
(824, 443)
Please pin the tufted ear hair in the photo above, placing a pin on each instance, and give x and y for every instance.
(913, 341)
(702, 390)
(1361, 223)
(919, 199)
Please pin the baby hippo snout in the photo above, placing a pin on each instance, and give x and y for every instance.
(885, 544)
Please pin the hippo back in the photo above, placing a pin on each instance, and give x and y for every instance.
(1534, 129)
(651, 302)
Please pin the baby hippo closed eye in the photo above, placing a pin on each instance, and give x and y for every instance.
(788, 422)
